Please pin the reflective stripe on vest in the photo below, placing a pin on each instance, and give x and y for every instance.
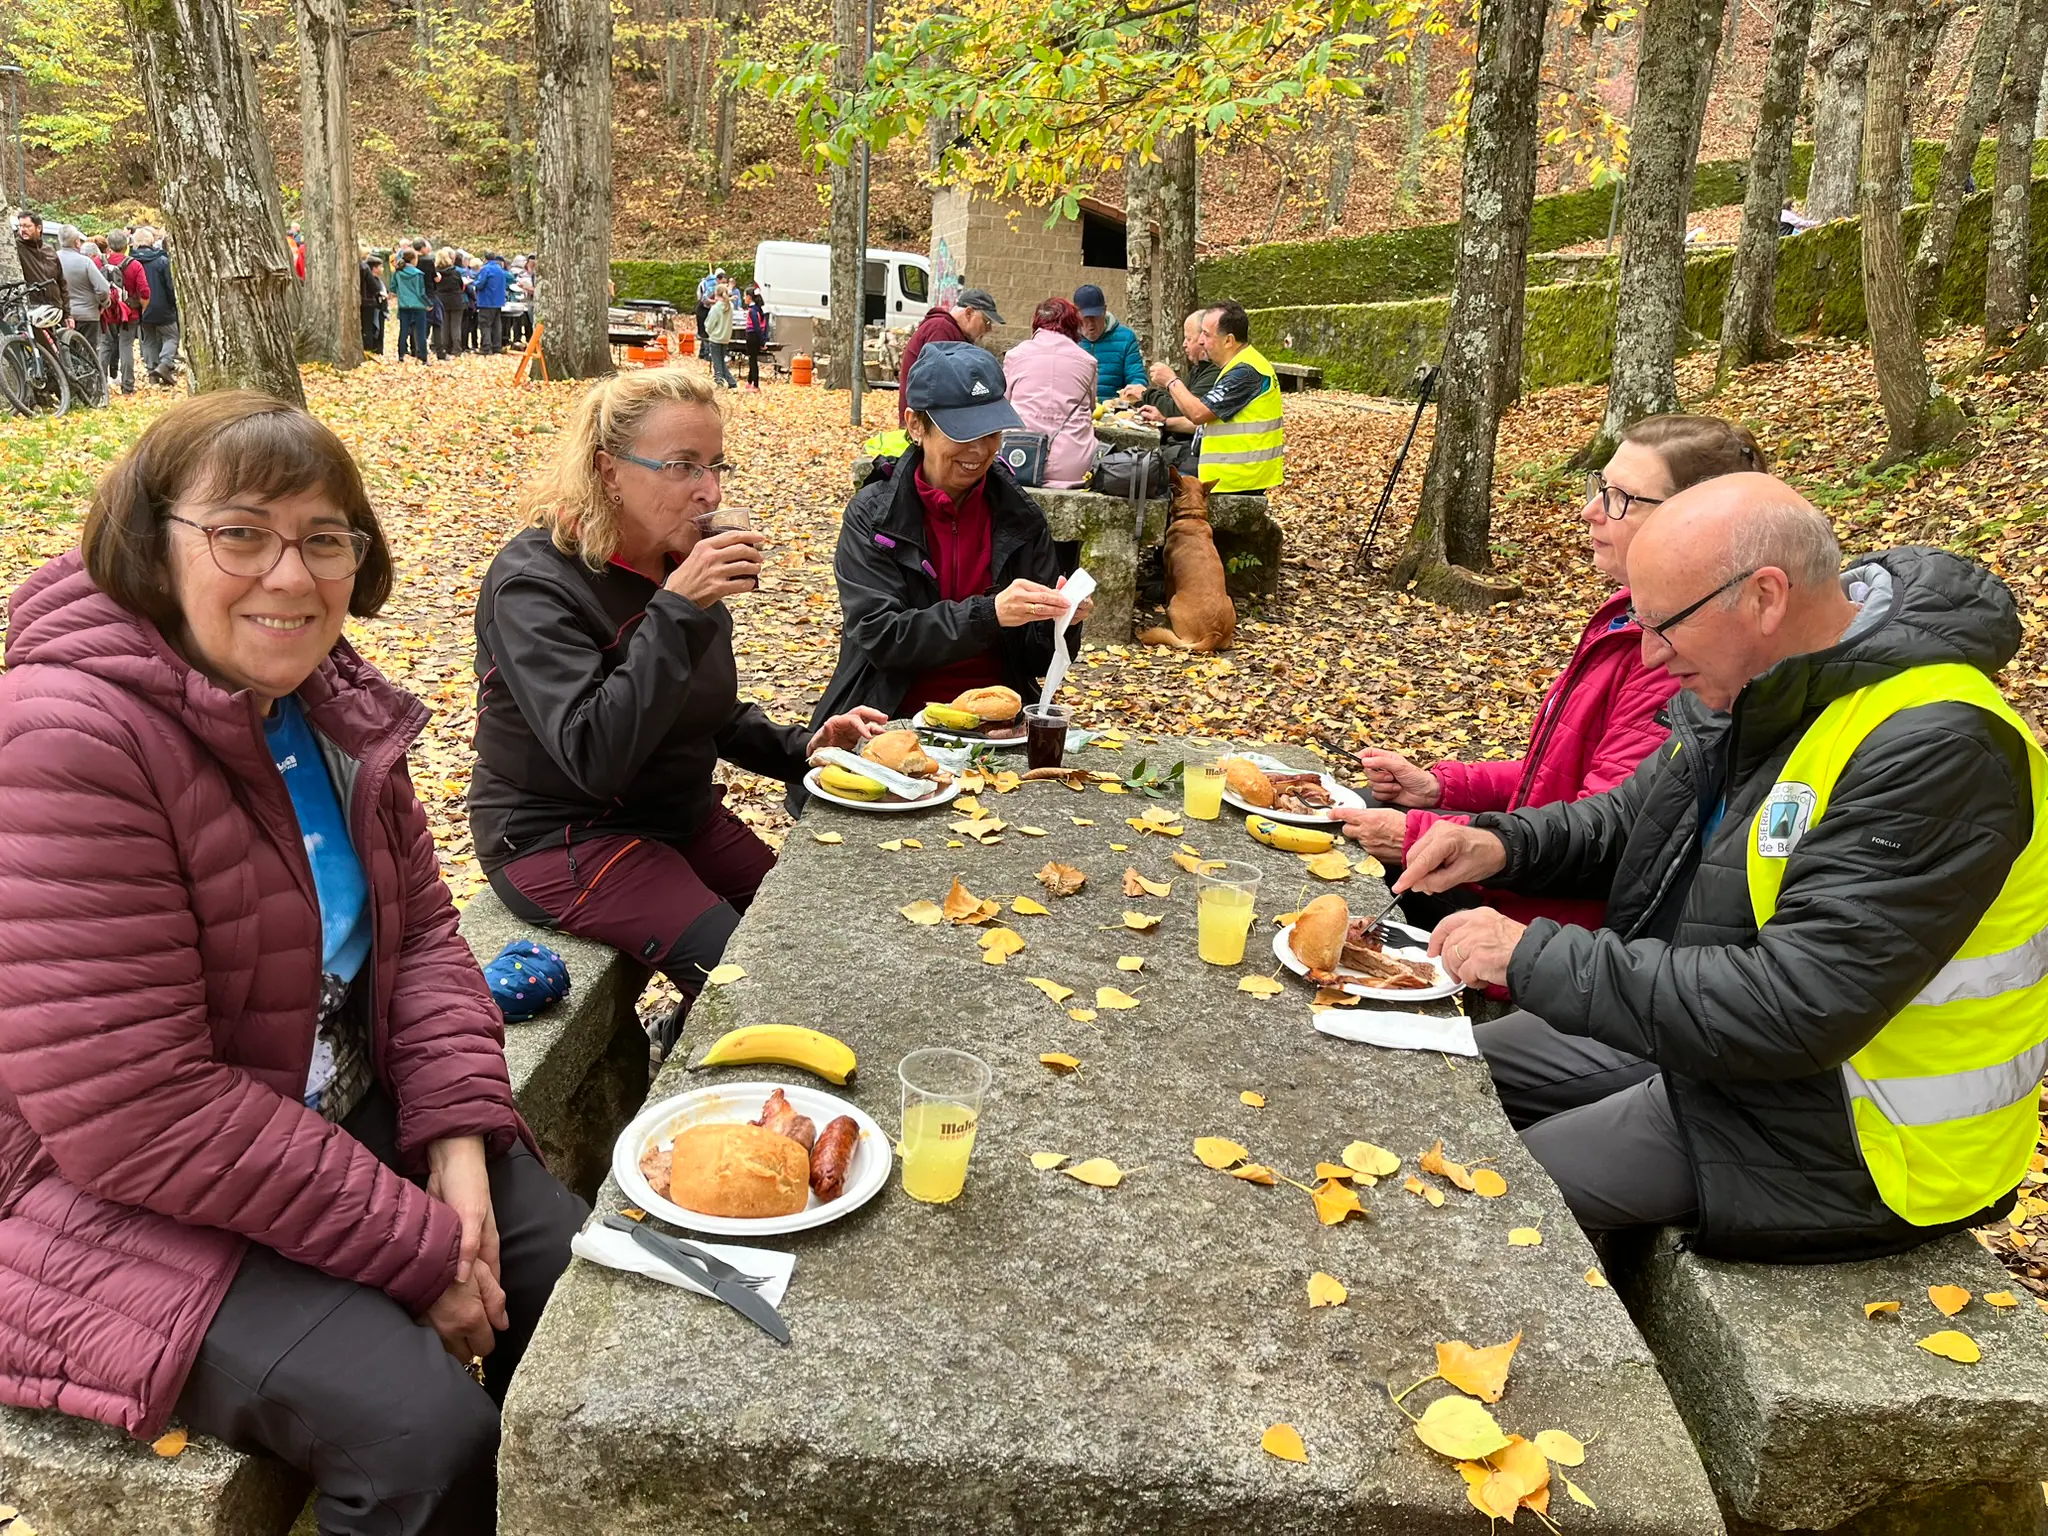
(1247, 452)
(1945, 1098)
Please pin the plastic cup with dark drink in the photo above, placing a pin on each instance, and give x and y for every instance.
(727, 520)
(1045, 733)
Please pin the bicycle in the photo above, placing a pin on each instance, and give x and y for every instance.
(33, 376)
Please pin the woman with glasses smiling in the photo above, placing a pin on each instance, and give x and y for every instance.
(607, 691)
(1603, 714)
(263, 1165)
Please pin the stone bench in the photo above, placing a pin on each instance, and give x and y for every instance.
(579, 1072)
(1811, 1417)
(1111, 538)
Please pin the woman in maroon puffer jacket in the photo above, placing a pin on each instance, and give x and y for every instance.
(259, 1160)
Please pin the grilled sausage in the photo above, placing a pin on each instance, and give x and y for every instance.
(833, 1156)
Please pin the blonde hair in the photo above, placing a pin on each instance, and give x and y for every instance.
(444, 258)
(568, 497)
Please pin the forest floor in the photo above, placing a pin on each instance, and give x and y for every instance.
(1333, 662)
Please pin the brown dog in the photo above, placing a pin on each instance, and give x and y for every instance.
(1198, 605)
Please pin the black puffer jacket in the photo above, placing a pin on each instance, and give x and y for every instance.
(1752, 1028)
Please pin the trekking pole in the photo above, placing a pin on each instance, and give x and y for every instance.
(1425, 382)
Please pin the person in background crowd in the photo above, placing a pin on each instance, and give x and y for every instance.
(519, 303)
(1603, 714)
(415, 306)
(607, 692)
(490, 292)
(1244, 439)
(265, 1168)
(965, 314)
(1051, 381)
(41, 267)
(370, 280)
(127, 298)
(158, 332)
(1176, 433)
(298, 244)
(472, 320)
(757, 334)
(85, 286)
(718, 334)
(448, 291)
(707, 290)
(1112, 344)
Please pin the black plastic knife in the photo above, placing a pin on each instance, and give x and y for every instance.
(743, 1299)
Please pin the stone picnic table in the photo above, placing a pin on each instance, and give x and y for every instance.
(1045, 1356)
(1126, 434)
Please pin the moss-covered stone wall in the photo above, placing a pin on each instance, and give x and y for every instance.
(675, 281)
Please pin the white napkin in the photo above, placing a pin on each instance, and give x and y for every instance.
(1079, 588)
(1401, 1031)
(617, 1250)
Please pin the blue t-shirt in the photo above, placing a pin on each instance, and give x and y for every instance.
(337, 872)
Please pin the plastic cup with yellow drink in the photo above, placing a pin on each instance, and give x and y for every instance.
(942, 1093)
(1225, 894)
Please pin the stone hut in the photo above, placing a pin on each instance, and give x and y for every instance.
(1005, 246)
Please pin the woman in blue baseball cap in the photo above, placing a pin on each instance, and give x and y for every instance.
(947, 575)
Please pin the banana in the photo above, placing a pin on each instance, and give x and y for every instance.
(789, 1045)
(844, 781)
(1278, 834)
(946, 717)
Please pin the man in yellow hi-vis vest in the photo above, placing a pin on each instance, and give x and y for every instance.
(1816, 1021)
(1244, 441)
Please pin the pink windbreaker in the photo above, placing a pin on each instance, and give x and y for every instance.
(1051, 381)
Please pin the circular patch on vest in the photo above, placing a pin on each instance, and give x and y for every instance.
(1787, 813)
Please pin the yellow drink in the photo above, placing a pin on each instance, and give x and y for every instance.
(1201, 791)
(938, 1138)
(1222, 919)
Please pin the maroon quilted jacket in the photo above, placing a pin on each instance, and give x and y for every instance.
(159, 981)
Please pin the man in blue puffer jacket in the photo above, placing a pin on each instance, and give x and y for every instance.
(489, 298)
(1112, 343)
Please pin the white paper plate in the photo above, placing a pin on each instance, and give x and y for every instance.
(1283, 951)
(950, 792)
(968, 738)
(873, 1155)
(1343, 795)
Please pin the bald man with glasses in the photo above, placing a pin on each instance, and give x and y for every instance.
(1814, 1024)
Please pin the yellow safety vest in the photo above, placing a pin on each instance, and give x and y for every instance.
(1944, 1098)
(1247, 452)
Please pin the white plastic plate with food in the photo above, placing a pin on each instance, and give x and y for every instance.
(739, 1104)
(1283, 951)
(1341, 795)
(886, 804)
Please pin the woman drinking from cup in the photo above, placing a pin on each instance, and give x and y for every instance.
(947, 575)
(263, 1164)
(608, 692)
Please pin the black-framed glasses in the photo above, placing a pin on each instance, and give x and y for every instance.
(1662, 630)
(240, 550)
(1615, 503)
(685, 471)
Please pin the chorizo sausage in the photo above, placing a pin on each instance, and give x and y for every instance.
(833, 1156)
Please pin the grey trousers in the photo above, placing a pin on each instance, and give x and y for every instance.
(117, 352)
(160, 351)
(1598, 1120)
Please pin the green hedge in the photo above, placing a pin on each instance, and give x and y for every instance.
(675, 281)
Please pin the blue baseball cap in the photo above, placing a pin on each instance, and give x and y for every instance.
(960, 387)
(1089, 300)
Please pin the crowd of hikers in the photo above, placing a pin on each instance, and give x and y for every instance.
(448, 299)
(114, 288)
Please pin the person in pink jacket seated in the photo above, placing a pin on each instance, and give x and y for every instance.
(1601, 717)
(1050, 379)
(263, 1168)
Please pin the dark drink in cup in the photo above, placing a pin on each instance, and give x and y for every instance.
(1045, 734)
(727, 520)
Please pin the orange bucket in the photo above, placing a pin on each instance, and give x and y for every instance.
(686, 344)
(648, 357)
(800, 369)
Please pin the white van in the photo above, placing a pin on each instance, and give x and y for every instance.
(796, 280)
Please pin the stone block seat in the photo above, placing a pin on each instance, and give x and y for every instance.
(579, 1072)
(1811, 1417)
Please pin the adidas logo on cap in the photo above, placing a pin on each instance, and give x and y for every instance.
(979, 388)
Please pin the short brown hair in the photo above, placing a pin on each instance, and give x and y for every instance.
(231, 442)
(1696, 448)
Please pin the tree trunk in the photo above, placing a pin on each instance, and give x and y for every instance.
(1749, 330)
(333, 325)
(214, 167)
(2006, 287)
(1938, 234)
(671, 85)
(687, 104)
(572, 44)
(1178, 195)
(1447, 551)
(2041, 109)
(726, 130)
(1343, 160)
(1842, 58)
(706, 68)
(518, 159)
(1408, 182)
(1673, 69)
(1141, 249)
(845, 332)
(1914, 417)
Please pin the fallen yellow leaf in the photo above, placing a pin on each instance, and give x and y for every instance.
(1110, 997)
(1081, 821)
(2001, 1299)
(1328, 866)
(1434, 1161)
(911, 842)
(1130, 962)
(1595, 1279)
(964, 907)
(1873, 1308)
(1219, 1151)
(1326, 1290)
(1081, 1015)
(167, 1444)
(1334, 997)
(1371, 868)
(1007, 780)
(1255, 1100)
(1951, 1345)
(1578, 1495)
(1099, 1171)
(1024, 906)
(1061, 879)
(894, 845)
(1487, 1184)
(1336, 1171)
(1045, 1161)
(1429, 1192)
(998, 944)
(1459, 1428)
(1367, 1158)
(1948, 1299)
(1060, 1062)
(1111, 789)
(1032, 831)
(827, 837)
(1566, 1450)
(1525, 1237)
(1187, 859)
(967, 805)
(719, 975)
(630, 1212)
(1334, 1201)
(1136, 884)
(1483, 1373)
(1255, 1173)
(1119, 847)
(1142, 922)
(1261, 986)
(1051, 989)
(1284, 1441)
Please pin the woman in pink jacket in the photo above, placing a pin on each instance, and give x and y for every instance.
(1050, 379)
(259, 1160)
(1602, 716)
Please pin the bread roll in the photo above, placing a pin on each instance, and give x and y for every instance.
(1248, 782)
(900, 750)
(1318, 936)
(994, 705)
(738, 1170)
